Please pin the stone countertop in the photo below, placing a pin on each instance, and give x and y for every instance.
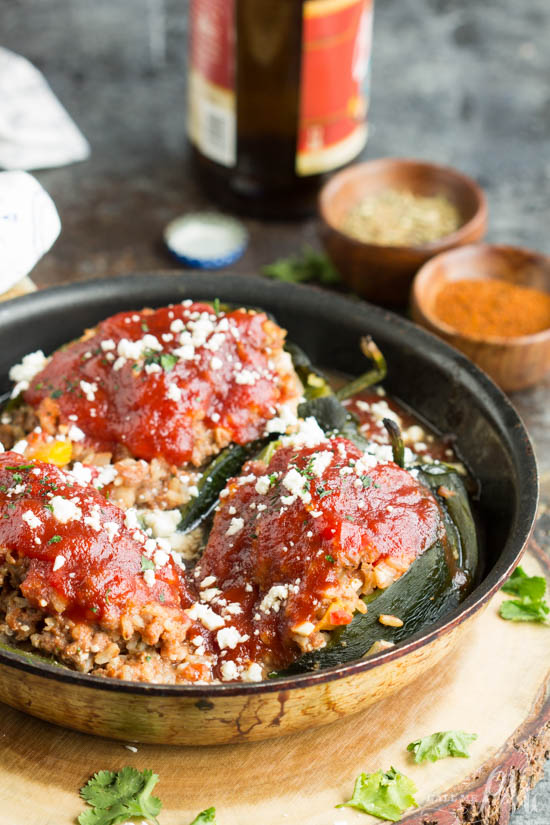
(464, 84)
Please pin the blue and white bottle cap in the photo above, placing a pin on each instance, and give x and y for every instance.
(206, 240)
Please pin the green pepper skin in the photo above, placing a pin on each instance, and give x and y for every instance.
(227, 464)
(435, 583)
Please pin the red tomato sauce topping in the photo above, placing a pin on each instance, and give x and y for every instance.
(172, 383)
(291, 537)
(85, 561)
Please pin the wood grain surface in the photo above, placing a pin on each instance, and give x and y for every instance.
(495, 684)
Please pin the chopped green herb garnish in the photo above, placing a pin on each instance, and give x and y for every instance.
(309, 266)
(366, 480)
(146, 564)
(56, 394)
(329, 558)
(54, 540)
(442, 744)
(273, 479)
(205, 817)
(117, 797)
(18, 478)
(145, 327)
(162, 597)
(531, 605)
(168, 361)
(386, 795)
(48, 507)
(16, 467)
(93, 609)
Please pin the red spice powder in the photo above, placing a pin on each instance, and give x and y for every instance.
(492, 308)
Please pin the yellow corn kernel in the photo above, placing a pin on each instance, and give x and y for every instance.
(56, 452)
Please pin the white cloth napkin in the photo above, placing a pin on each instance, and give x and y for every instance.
(35, 130)
(29, 225)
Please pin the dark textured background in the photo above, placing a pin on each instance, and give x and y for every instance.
(463, 83)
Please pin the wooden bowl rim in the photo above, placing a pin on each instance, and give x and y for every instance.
(165, 284)
(478, 219)
(426, 273)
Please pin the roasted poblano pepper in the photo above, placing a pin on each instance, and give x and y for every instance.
(435, 583)
(320, 401)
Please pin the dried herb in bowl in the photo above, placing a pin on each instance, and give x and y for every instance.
(394, 217)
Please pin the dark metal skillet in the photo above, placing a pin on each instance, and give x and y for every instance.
(430, 377)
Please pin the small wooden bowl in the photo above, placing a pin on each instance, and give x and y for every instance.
(382, 274)
(514, 363)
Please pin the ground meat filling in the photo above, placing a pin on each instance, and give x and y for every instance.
(81, 581)
(297, 541)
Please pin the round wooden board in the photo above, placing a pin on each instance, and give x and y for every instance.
(494, 684)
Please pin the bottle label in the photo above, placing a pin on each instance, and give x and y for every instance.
(336, 48)
(212, 122)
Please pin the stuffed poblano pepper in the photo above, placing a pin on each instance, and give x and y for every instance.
(330, 550)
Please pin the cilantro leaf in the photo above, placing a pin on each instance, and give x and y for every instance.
(531, 605)
(168, 361)
(309, 266)
(115, 797)
(524, 586)
(386, 795)
(524, 610)
(146, 564)
(209, 815)
(442, 744)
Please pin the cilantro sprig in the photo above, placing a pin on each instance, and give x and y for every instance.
(115, 797)
(384, 794)
(442, 744)
(205, 817)
(530, 606)
(309, 266)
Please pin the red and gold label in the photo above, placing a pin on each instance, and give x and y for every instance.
(212, 121)
(336, 48)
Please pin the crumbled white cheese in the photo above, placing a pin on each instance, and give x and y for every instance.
(294, 483)
(31, 519)
(236, 526)
(207, 581)
(309, 434)
(162, 522)
(81, 474)
(149, 576)
(320, 462)
(59, 562)
(89, 389)
(111, 528)
(229, 671)
(107, 345)
(75, 433)
(206, 616)
(173, 392)
(131, 519)
(23, 373)
(253, 673)
(65, 509)
(229, 637)
(262, 485)
(216, 363)
(274, 598)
